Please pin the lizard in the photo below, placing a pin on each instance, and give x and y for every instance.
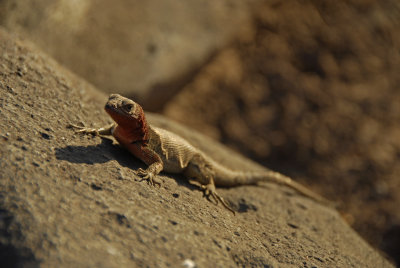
(162, 150)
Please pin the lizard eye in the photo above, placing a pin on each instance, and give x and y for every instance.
(129, 106)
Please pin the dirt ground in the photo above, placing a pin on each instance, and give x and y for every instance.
(314, 95)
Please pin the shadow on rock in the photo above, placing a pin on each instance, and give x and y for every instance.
(97, 154)
(107, 151)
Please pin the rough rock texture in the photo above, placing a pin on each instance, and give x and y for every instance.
(128, 46)
(68, 200)
(316, 95)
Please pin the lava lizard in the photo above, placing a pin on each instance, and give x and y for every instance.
(162, 150)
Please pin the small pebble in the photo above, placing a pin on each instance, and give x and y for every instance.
(189, 263)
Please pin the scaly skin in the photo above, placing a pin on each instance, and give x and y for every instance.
(162, 150)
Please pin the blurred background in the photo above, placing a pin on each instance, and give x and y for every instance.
(307, 88)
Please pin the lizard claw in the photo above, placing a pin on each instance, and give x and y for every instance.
(84, 130)
(210, 191)
(148, 176)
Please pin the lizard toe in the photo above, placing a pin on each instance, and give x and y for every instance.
(91, 131)
(210, 191)
(149, 177)
(84, 130)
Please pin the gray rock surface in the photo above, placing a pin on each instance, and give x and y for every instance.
(74, 201)
(317, 91)
(128, 46)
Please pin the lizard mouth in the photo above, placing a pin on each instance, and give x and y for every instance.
(113, 102)
(110, 107)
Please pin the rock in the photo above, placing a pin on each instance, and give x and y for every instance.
(72, 200)
(316, 96)
(137, 48)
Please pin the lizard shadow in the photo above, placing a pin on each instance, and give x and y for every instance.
(96, 154)
(107, 151)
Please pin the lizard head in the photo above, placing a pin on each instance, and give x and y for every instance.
(128, 115)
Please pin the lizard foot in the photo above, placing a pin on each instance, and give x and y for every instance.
(148, 176)
(84, 130)
(210, 191)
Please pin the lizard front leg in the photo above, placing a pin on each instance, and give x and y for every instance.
(93, 131)
(150, 158)
(150, 173)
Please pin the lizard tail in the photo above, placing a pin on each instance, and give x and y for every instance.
(278, 178)
(235, 178)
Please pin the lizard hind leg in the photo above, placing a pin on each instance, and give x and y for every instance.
(211, 192)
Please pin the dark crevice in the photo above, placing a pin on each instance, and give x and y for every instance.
(12, 254)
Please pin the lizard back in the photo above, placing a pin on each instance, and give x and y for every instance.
(175, 152)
